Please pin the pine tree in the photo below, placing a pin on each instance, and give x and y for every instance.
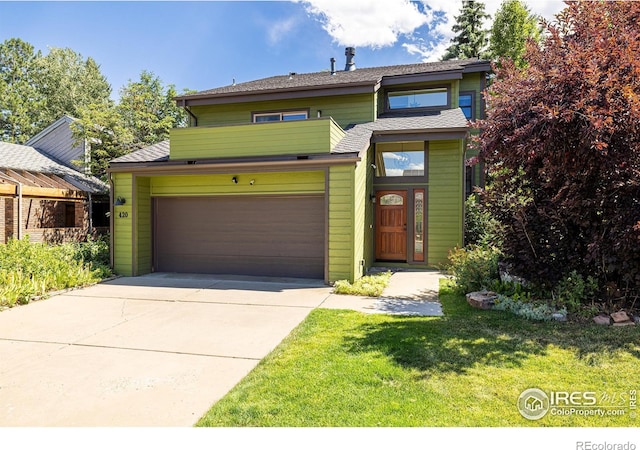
(471, 38)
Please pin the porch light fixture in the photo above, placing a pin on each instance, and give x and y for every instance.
(120, 201)
(234, 180)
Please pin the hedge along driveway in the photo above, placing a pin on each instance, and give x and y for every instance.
(148, 351)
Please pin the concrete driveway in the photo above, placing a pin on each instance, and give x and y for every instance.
(156, 350)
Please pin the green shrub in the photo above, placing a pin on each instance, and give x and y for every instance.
(369, 285)
(473, 267)
(29, 270)
(574, 292)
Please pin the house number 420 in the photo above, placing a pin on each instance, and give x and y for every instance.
(123, 214)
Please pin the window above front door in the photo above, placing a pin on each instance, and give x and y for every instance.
(396, 161)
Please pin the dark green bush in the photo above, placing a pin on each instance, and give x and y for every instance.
(479, 225)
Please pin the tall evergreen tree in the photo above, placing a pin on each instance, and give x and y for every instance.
(20, 99)
(470, 40)
(513, 25)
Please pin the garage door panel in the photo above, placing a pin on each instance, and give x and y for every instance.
(271, 236)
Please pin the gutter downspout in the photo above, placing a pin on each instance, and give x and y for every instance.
(186, 108)
(111, 213)
(19, 193)
(90, 231)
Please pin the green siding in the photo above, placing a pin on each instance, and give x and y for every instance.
(142, 219)
(122, 225)
(445, 194)
(361, 195)
(341, 223)
(344, 109)
(455, 94)
(264, 183)
(255, 139)
(369, 235)
(471, 82)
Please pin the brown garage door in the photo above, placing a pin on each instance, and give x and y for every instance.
(270, 236)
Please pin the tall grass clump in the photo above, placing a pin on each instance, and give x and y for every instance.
(29, 270)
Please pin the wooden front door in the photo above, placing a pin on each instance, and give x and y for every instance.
(391, 225)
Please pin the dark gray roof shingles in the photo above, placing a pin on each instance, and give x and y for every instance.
(24, 157)
(154, 153)
(325, 79)
(358, 137)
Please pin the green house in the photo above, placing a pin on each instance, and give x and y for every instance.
(316, 175)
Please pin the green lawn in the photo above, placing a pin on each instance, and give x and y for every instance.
(344, 368)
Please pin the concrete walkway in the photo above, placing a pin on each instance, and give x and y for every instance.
(410, 293)
(159, 350)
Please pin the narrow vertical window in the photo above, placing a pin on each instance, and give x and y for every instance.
(418, 247)
(465, 101)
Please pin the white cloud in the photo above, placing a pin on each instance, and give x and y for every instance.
(366, 23)
(379, 23)
(279, 30)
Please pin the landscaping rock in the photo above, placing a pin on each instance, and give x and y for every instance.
(482, 299)
(620, 316)
(602, 320)
(559, 317)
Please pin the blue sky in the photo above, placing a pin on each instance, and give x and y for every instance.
(205, 44)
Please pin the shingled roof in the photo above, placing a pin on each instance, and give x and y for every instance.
(154, 153)
(325, 79)
(26, 158)
(358, 137)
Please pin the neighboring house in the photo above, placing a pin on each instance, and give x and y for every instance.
(57, 141)
(43, 196)
(319, 175)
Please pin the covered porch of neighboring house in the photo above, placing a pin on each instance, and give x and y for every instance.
(48, 209)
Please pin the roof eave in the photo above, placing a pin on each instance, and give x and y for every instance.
(278, 94)
(419, 134)
(186, 167)
(481, 66)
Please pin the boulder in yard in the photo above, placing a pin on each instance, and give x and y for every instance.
(620, 316)
(602, 320)
(482, 299)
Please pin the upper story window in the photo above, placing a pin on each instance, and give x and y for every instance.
(465, 101)
(279, 116)
(418, 98)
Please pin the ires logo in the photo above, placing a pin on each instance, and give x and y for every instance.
(534, 403)
(572, 398)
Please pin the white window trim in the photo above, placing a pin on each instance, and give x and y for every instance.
(281, 114)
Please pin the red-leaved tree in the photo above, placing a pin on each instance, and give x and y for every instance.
(561, 143)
